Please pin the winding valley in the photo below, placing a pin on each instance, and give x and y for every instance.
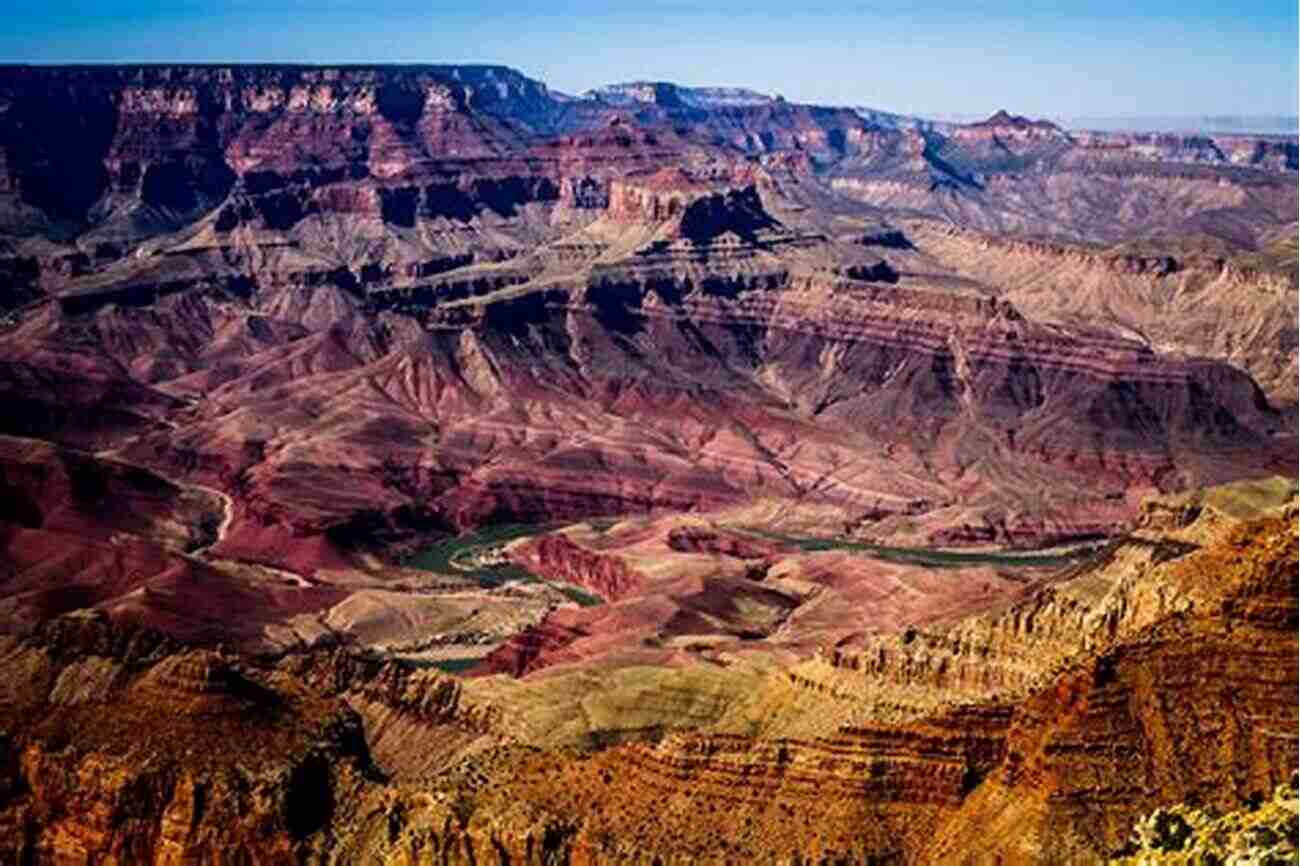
(414, 464)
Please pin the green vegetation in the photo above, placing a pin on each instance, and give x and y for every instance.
(1261, 833)
(573, 593)
(937, 558)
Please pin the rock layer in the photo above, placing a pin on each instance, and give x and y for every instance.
(1190, 702)
(265, 331)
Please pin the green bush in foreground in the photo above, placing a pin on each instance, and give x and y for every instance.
(1263, 835)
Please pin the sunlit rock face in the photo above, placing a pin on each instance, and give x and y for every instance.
(413, 464)
(1053, 725)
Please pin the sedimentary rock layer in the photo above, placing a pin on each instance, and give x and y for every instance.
(1062, 767)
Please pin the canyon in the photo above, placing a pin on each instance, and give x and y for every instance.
(414, 464)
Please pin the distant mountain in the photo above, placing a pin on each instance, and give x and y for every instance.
(669, 95)
(321, 387)
(1005, 120)
(1200, 124)
(891, 120)
(1257, 124)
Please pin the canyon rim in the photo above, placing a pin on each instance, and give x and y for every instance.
(418, 464)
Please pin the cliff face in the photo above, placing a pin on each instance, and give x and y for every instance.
(1193, 701)
(1061, 773)
(136, 150)
(140, 148)
(1276, 153)
(1156, 697)
(264, 331)
(557, 558)
(1191, 295)
(131, 756)
(374, 304)
(680, 375)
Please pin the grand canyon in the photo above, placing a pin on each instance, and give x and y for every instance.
(419, 465)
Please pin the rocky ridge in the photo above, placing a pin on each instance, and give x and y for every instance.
(267, 331)
(1016, 774)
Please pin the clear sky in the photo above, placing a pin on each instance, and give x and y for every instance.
(1103, 57)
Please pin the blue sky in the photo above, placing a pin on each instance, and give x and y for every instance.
(1100, 58)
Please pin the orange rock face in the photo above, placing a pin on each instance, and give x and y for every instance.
(320, 386)
(1198, 703)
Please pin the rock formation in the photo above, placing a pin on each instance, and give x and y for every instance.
(1157, 703)
(414, 464)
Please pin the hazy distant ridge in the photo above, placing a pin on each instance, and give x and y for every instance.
(1208, 124)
